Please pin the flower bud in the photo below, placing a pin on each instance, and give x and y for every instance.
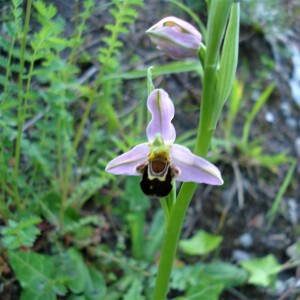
(176, 37)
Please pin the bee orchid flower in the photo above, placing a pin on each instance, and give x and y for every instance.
(159, 161)
(176, 37)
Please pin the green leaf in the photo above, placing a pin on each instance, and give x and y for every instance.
(22, 233)
(85, 190)
(154, 237)
(60, 41)
(217, 19)
(32, 295)
(135, 290)
(228, 62)
(206, 281)
(82, 279)
(205, 290)
(46, 11)
(95, 285)
(76, 297)
(50, 206)
(36, 274)
(227, 274)
(169, 68)
(258, 105)
(138, 203)
(262, 270)
(201, 243)
(72, 265)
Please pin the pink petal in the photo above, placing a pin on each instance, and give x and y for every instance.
(176, 44)
(176, 37)
(127, 162)
(187, 27)
(194, 168)
(162, 109)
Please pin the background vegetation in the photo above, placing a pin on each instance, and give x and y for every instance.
(73, 93)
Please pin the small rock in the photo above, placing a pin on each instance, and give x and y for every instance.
(246, 240)
(292, 210)
(295, 79)
(297, 145)
(293, 252)
(297, 284)
(291, 122)
(280, 287)
(269, 116)
(240, 255)
(286, 109)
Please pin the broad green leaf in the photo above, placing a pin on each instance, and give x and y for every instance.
(76, 297)
(37, 275)
(22, 233)
(262, 270)
(95, 285)
(201, 243)
(50, 207)
(205, 290)
(206, 281)
(72, 266)
(29, 294)
(227, 274)
(82, 279)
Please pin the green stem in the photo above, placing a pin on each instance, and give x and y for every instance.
(171, 240)
(165, 209)
(216, 26)
(177, 215)
(8, 68)
(20, 103)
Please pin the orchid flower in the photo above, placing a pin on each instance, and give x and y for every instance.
(176, 37)
(160, 160)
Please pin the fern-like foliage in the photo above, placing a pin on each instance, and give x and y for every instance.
(85, 190)
(124, 13)
(8, 48)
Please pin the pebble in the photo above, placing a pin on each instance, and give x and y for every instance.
(291, 122)
(292, 210)
(297, 146)
(269, 116)
(286, 109)
(240, 255)
(246, 240)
